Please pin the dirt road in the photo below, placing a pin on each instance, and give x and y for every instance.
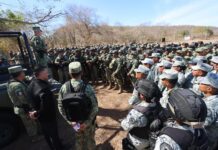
(112, 108)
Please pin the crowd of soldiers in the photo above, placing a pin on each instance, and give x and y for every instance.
(179, 81)
(115, 64)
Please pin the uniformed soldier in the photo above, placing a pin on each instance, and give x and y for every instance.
(17, 91)
(39, 47)
(140, 73)
(169, 79)
(139, 119)
(214, 63)
(92, 62)
(199, 71)
(209, 86)
(153, 75)
(116, 66)
(61, 61)
(134, 65)
(85, 136)
(186, 131)
(180, 67)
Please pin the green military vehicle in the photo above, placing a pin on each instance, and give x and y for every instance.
(10, 124)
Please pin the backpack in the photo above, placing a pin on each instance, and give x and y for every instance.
(76, 104)
(186, 139)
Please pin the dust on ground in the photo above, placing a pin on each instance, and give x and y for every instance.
(112, 108)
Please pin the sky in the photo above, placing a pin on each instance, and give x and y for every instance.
(131, 12)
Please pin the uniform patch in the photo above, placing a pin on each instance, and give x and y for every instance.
(165, 146)
(19, 93)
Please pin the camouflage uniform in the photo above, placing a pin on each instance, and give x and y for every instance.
(84, 140)
(211, 122)
(39, 47)
(134, 65)
(116, 66)
(165, 142)
(137, 119)
(62, 62)
(92, 66)
(17, 93)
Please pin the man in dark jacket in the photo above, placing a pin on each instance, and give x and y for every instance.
(43, 104)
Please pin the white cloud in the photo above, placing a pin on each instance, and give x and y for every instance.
(198, 12)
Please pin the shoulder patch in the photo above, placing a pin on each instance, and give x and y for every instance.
(165, 146)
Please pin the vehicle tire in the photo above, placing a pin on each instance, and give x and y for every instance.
(9, 128)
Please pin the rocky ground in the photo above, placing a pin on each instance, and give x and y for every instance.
(112, 108)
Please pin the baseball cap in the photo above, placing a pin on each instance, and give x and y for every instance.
(178, 63)
(155, 55)
(15, 69)
(214, 59)
(148, 61)
(165, 63)
(202, 66)
(142, 69)
(169, 74)
(75, 67)
(210, 79)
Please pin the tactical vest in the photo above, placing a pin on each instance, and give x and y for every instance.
(186, 139)
(151, 113)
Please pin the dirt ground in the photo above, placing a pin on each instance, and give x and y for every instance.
(112, 108)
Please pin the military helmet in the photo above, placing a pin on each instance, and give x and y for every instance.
(149, 89)
(186, 106)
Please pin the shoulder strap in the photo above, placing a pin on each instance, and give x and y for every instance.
(83, 88)
(183, 138)
(70, 88)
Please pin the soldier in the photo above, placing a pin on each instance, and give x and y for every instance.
(214, 63)
(180, 67)
(134, 65)
(186, 131)
(140, 73)
(61, 61)
(153, 75)
(147, 62)
(92, 63)
(39, 47)
(199, 71)
(164, 64)
(139, 119)
(209, 86)
(116, 66)
(86, 132)
(169, 80)
(17, 91)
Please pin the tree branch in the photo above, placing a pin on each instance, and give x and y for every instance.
(48, 16)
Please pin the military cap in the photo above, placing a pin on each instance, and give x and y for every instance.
(178, 63)
(177, 58)
(214, 59)
(169, 74)
(165, 63)
(75, 67)
(210, 79)
(15, 69)
(155, 55)
(142, 69)
(200, 49)
(36, 29)
(201, 58)
(147, 61)
(202, 66)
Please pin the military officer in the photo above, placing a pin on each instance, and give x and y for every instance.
(39, 47)
(209, 86)
(85, 136)
(17, 91)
